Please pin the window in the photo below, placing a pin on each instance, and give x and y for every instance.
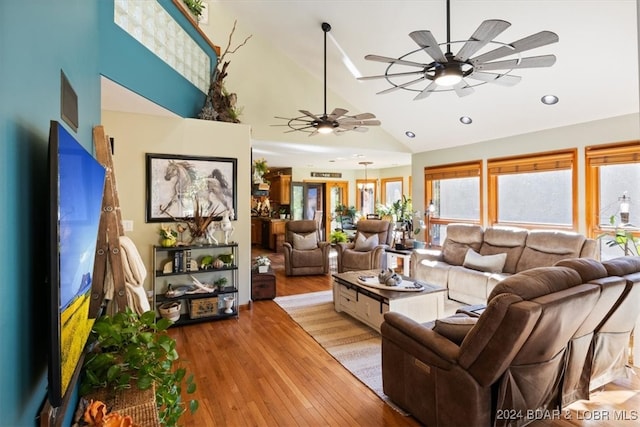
(613, 173)
(455, 191)
(391, 190)
(536, 190)
(366, 196)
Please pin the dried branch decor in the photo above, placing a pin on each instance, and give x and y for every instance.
(220, 105)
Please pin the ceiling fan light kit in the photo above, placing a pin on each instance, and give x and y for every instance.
(338, 121)
(448, 72)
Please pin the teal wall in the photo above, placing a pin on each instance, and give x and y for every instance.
(38, 38)
(145, 73)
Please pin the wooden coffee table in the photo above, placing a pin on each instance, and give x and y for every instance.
(369, 304)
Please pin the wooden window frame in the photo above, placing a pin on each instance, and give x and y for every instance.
(360, 182)
(537, 162)
(383, 187)
(452, 171)
(603, 155)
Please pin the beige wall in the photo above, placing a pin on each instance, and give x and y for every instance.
(616, 129)
(303, 174)
(137, 134)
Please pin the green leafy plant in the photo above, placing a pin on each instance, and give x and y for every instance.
(338, 236)
(621, 237)
(131, 349)
(195, 6)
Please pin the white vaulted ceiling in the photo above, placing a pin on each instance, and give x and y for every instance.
(280, 71)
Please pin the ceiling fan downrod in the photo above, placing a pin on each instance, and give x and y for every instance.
(326, 28)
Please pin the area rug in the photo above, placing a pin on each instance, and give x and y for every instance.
(356, 346)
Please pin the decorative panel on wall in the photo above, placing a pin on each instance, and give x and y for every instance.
(150, 24)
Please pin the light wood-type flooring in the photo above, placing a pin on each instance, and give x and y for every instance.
(262, 369)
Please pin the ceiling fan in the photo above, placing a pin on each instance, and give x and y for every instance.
(338, 121)
(448, 72)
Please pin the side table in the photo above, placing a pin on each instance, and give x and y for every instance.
(263, 285)
(404, 254)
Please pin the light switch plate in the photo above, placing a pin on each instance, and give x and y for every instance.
(127, 225)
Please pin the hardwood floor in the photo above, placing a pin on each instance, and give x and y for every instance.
(264, 370)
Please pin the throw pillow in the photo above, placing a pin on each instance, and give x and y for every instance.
(455, 328)
(487, 263)
(305, 243)
(365, 244)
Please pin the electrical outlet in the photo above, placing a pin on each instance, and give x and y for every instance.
(127, 224)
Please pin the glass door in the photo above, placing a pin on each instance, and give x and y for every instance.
(308, 203)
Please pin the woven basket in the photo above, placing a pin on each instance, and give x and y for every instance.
(140, 405)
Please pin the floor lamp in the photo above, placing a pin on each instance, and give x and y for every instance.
(429, 211)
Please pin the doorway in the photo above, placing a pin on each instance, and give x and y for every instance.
(308, 202)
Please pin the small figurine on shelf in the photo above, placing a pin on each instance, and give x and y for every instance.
(168, 236)
(262, 262)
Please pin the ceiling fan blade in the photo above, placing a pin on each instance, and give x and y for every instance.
(364, 116)
(337, 112)
(409, 73)
(306, 113)
(486, 32)
(353, 123)
(542, 38)
(499, 79)
(463, 89)
(394, 88)
(379, 58)
(361, 129)
(426, 41)
(530, 62)
(426, 92)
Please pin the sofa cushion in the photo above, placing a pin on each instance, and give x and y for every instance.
(307, 258)
(455, 327)
(305, 243)
(546, 247)
(461, 237)
(508, 240)
(488, 263)
(364, 243)
(433, 272)
(467, 285)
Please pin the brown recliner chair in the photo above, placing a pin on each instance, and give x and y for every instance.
(580, 352)
(611, 340)
(366, 252)
(508, 363)
(304, 253)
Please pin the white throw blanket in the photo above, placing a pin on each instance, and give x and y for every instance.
(134, 275)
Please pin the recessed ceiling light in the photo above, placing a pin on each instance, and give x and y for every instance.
(549, 99)
(410, 134)
(465, 120)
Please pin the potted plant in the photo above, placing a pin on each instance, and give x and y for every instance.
(168, 236)
(338, 236)
(195, 7)
(621, 237)
(345, 215)
(260, 169)
(418, 244)
(135, 350)
(283, 213)
(262, 262)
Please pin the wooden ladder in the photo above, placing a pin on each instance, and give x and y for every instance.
(108, 250)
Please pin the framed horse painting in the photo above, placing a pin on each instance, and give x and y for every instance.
(178, 185)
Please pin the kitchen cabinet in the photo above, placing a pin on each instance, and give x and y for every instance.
(280, 190)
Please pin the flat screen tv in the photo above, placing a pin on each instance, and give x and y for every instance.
(76, 186)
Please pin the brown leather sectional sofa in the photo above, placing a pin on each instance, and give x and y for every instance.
(547, 337)
(498, 253)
